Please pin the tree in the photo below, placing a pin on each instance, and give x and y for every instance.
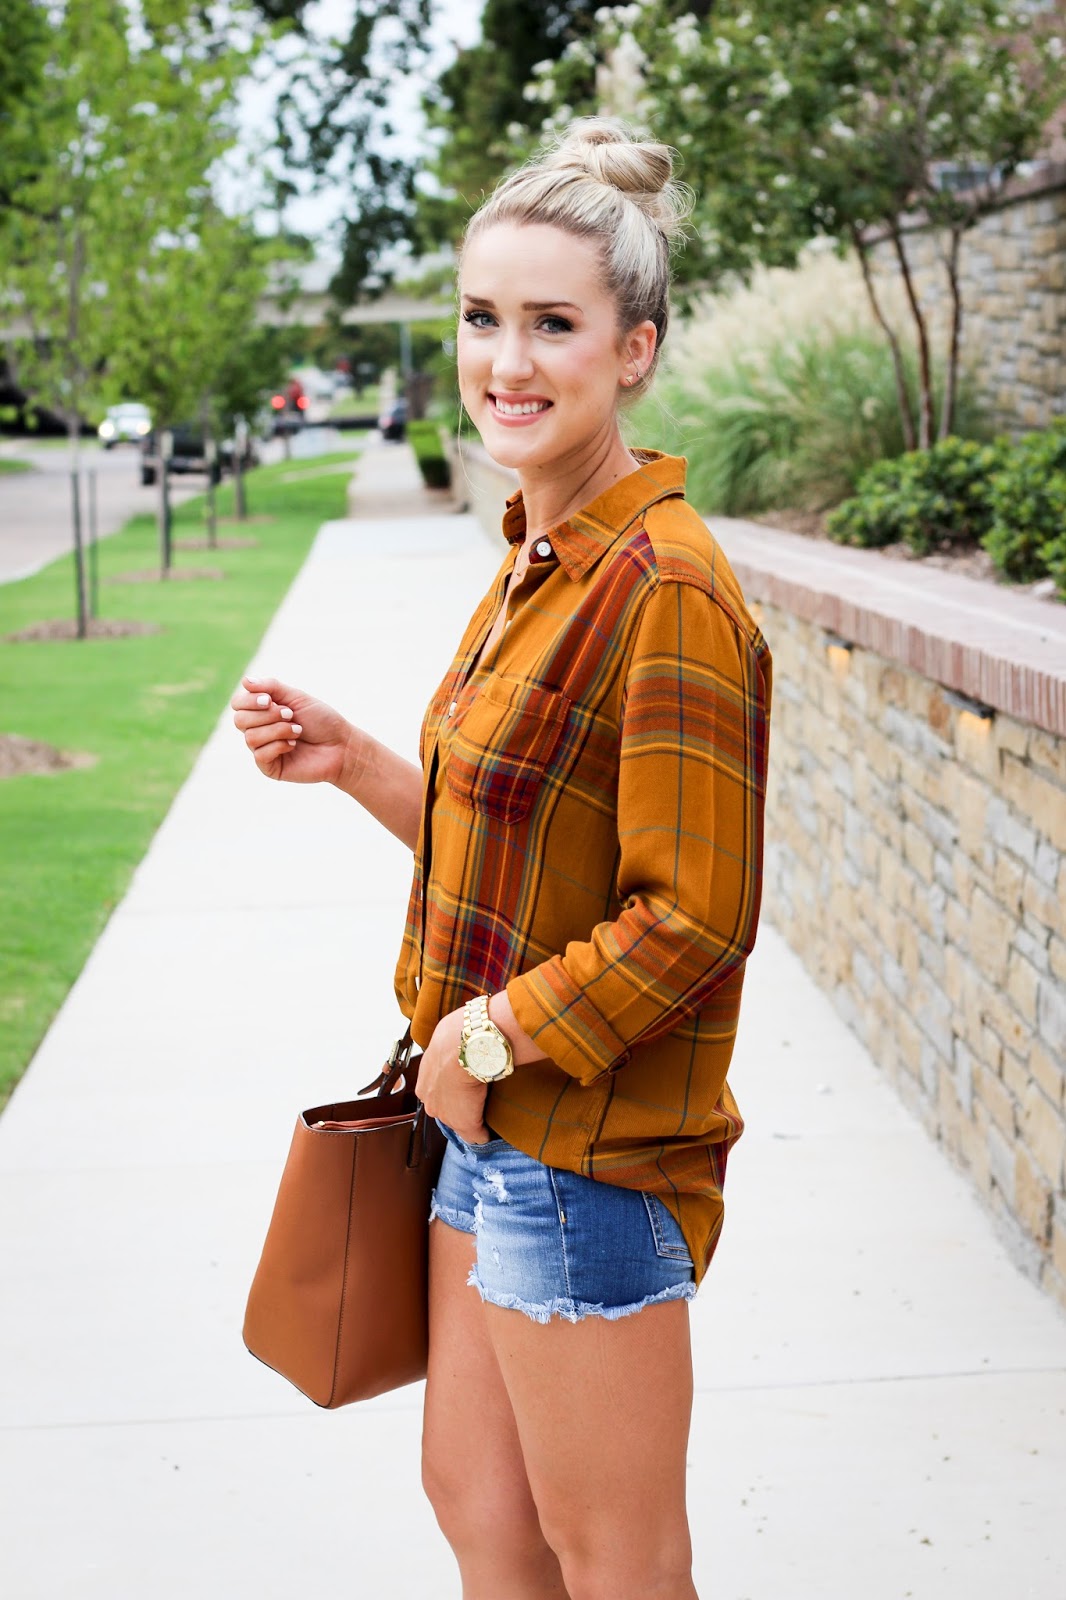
(130, 120)
(22, 62)
(185, 327)
(484, 107)
(333, 121)
(845, 120)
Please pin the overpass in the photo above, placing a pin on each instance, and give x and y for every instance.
(297, 295)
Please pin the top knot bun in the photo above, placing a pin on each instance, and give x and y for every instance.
(643, 172)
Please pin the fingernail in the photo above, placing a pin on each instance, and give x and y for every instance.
(262, 699)
(286, 712)
(296, 728)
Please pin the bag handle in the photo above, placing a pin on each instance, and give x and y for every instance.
(400, 1064)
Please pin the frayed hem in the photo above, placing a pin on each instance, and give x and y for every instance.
(451, 1218)
(575, 1310)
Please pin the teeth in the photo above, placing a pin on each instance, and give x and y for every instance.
(523, 410)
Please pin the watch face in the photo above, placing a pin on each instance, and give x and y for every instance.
(485, 1055)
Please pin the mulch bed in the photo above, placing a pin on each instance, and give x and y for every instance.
(22, 757)
(96, 628)
(175, 575)
(219, 544)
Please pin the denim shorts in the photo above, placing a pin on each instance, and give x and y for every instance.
(554, 1244)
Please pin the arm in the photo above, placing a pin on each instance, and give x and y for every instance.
(295, 738)
(690, 807)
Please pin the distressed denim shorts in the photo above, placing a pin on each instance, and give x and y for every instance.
(555, 1244)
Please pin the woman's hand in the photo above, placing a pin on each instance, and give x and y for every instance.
(292, 736)
(446, 1089)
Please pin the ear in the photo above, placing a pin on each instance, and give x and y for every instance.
(638, 349)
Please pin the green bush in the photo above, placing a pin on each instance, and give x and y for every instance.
(792, 426)
(424, 438)
(1027, 536)
(925, 499)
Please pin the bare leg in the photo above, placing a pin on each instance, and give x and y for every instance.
(603, 1412)
(472, 1463)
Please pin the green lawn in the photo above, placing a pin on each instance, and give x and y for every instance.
(11, 464)
(142, 707)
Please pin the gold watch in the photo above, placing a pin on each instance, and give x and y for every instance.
(484, 1051)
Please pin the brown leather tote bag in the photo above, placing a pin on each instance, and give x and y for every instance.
(338, 1304)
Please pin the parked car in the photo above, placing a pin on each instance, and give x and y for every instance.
(289, 406)
(127, 423)
(393, 420)
(188, 453)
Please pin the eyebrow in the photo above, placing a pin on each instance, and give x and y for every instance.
(527, 305)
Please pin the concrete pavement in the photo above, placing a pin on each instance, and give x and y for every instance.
(35, 507)
(880, 1394)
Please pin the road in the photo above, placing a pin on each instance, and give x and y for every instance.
(35, 507)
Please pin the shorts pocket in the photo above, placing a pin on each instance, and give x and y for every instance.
(669, 1240)
(501, 750)
(490, 1147)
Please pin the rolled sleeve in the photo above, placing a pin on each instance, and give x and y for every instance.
(691, 793)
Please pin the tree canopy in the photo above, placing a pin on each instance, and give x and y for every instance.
(843, 120)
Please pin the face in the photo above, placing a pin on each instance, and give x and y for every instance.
(541, 360)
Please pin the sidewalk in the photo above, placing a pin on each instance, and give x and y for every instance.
(880, 1395)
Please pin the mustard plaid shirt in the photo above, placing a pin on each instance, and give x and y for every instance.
(592, 842)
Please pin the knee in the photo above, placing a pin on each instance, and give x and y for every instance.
(602, 1563)
(471, 1519)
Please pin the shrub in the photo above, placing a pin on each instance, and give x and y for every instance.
(782, 394)
(925, 499)
(433, 464)
(1027, 537)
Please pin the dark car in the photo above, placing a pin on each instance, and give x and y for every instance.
(393, 420)
(188, 453)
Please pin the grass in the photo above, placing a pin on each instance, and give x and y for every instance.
(10, 464)
(142, 707)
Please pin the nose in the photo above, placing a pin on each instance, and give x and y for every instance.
(513, 359)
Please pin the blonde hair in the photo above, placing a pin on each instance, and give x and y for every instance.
(598, 182)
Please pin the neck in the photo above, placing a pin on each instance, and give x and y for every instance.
(553, 492)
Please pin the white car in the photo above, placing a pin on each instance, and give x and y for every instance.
(129, 422)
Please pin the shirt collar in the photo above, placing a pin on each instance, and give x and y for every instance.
(582, 539)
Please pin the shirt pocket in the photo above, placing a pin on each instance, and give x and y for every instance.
(501, 750)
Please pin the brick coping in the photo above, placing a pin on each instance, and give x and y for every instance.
(1002, 649)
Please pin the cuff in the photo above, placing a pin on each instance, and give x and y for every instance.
(562, 1021)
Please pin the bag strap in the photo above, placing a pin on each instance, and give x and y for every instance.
(400, 1064)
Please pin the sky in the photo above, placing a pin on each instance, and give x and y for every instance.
(457, 23)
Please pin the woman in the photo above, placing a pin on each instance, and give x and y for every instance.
(586, 825)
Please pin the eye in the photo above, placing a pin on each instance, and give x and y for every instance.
(557, 325)
(472, 318)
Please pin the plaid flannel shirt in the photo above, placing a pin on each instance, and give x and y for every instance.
(592, 842)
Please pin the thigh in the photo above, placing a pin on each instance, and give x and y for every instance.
(603, 1410)
(470, 1441)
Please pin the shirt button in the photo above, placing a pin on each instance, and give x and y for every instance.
(452, 707)
(544, 548)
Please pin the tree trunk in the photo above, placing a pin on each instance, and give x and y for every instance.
(165, 545)
(951, 377)
(80, 598)
(240, 439)
(903, 398)
(94, 547)
(925, 404)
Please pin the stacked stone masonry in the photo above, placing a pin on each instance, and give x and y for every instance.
(1013, 274)
(916, 858)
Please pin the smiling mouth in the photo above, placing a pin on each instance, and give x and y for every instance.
(515, 408)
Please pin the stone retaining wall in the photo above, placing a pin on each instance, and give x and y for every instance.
(916, 841)
(1013, 273)
(916, 859)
